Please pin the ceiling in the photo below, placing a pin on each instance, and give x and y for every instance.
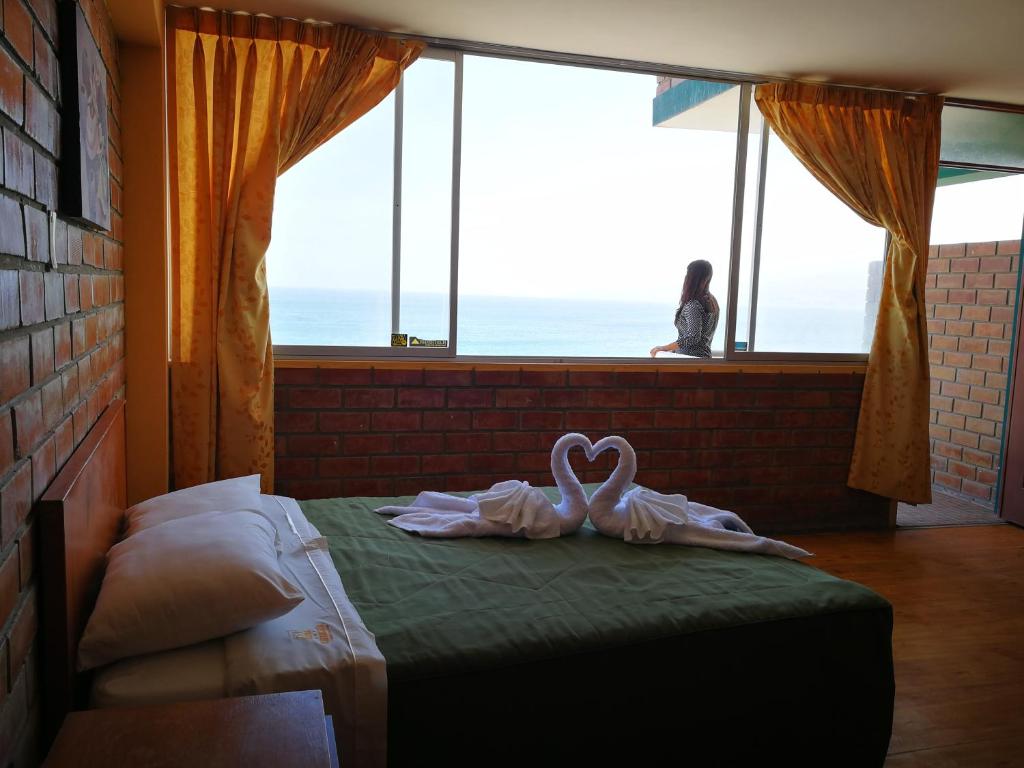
(969, 49)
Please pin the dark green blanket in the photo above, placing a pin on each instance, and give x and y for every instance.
(766, 658)
(441, 604)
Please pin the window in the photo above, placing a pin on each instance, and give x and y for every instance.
(329, 261)
(579, 215)
(500, 207)
(819, 265)
(338, 275)
(425, 252)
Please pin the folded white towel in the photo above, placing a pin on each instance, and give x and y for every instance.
(521, 507)
(511, 508)
(696, 525)
(643, 516)
(649, 514)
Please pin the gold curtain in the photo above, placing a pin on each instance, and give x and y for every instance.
(879, 153)
(249, 96)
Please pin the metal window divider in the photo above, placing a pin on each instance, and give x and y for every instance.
(739, 182)
(755, 262)
(396, 218)
(453, 278)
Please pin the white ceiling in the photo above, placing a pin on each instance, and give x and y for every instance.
(966, 48)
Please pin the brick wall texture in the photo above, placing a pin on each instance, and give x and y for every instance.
(61, 323)
(971, 295)
(772, 447)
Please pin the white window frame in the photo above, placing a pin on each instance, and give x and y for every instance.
(387, 352)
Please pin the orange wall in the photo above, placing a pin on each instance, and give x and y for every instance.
(145, 270)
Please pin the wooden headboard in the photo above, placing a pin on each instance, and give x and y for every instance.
(80, 519)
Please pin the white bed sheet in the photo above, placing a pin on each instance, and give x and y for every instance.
(321, 644)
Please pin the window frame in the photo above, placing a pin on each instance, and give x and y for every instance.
(454, 51)
(293, 351)
(751, 353)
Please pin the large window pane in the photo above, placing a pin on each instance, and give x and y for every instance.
(329, 261)
(429, 95)
(820, 265)
(579, 215)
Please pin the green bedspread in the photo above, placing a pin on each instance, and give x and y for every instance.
(441, 606)
(589, 651)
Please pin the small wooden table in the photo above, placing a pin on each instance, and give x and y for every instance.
(279, 730)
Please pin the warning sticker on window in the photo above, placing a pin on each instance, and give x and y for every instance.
(416, 341)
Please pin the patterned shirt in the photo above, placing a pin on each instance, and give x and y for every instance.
(696, 326)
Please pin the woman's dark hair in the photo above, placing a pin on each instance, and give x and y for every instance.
(695, 285)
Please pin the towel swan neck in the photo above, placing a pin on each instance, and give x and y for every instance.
(607, 496)
(639, 514)
(573, 507)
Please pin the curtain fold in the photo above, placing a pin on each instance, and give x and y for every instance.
(249, 96)
(879, 153)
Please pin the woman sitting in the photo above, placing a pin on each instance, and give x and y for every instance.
(697, 314)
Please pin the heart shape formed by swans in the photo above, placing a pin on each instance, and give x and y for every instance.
(638, 515)
(592, 450)
(517, 509)
(560, 467)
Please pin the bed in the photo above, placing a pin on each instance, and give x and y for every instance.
(509, 652)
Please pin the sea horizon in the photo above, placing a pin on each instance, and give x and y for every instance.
(537, 326)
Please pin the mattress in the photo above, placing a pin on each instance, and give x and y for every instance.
(586, 648)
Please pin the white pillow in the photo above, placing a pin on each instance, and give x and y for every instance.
(191, 673)
(184, 582)
(220, 496)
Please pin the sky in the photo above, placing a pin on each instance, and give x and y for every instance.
(568, 191)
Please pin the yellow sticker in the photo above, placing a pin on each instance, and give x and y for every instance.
(399, 339)
(321, 633)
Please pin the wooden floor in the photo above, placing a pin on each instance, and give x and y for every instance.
(958, 596)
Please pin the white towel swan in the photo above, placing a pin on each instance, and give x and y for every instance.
(643, 516)
(511, 508)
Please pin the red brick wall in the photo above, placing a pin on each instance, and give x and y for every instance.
(971, 294)
(61, 341)
(773, 447)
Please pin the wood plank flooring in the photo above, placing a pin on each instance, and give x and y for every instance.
(958, 598)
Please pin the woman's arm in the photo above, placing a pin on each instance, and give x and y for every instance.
(672, 346)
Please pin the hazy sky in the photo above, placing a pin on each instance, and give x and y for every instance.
(568, 191)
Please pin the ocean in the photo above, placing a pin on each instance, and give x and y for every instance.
(538, 327)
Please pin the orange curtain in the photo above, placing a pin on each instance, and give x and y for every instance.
(249, 97)
(879, 153)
